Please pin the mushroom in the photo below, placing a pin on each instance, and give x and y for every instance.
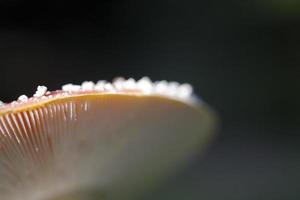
(99, 141)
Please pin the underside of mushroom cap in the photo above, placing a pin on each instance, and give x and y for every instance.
(114, 141)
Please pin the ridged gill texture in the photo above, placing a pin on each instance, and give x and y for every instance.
(110, 144)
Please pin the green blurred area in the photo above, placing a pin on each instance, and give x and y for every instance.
(281, 8)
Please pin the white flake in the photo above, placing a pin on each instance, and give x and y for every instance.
(118, 83)
(71, 88)
(41, 91)
(185, 91)
(129, 84)
(109, 87)
(23, 98)
(145, 85)
(87, 85)
(161, 87)
(100, 85)
(172, 89)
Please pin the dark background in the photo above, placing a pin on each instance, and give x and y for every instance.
(243, 58)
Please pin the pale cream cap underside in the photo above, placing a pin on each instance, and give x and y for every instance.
(110, 142)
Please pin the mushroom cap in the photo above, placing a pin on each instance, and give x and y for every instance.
(85, 140)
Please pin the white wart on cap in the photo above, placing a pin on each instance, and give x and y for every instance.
(114, 139)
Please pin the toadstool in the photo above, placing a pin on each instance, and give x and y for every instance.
(98, 140)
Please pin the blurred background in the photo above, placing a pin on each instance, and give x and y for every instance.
(242, 57)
